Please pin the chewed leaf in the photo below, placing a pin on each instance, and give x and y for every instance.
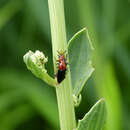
(95, 118)
(79, 49)
(35, 62)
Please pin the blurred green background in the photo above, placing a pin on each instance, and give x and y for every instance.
(26, 103)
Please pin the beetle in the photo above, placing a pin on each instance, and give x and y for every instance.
(62, 67)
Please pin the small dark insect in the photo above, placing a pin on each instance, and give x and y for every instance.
(62, 67)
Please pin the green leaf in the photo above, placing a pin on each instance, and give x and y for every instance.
(79, 49)
(95, 118)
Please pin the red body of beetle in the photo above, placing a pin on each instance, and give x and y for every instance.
(61, 58)
(62, 65)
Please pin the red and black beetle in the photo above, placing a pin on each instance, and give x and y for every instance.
(62, 67)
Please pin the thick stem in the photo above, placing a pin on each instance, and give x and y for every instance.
(64, 90)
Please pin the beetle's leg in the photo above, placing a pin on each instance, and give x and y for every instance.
(57, 61)
(55, 75)
(65, 52)
(67, 63)
(58, 52)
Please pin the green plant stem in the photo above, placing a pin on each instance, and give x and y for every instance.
(63, 90)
